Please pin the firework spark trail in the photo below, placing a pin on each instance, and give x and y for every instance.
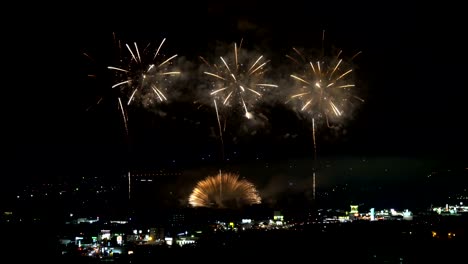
(224, 190)
(220, 130)
(123, 115)
(315, 157)
(157, 51)
(88, 56)
(313, 138)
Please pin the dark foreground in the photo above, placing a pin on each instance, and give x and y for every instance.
(358, 243)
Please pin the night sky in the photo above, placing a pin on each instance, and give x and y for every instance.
(410, 73)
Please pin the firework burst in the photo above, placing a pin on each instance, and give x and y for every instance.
(144, 73)
(237, 83)
(322, 88)
(223, 191)
(237, 80)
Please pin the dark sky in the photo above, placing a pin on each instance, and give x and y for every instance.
(411, 74)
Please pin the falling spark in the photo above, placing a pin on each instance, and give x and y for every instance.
(220, 130)
(117, 69)
(131, 52)
(157, 51)
(138, 52)
(168, 60)
(120, 83)
(313, 138)
(170, 73)
(217, 91)
(355, 55)
(131, 96)
(266, 85)
(215, 75)
(359, 98)
(300, 79)
(123, 115)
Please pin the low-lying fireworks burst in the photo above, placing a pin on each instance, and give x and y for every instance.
(224, 190)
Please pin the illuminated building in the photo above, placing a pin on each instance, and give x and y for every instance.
(177, 221)
(278, 218)
(452, 210)
(157, 234)
(186, 240)
(354, 212)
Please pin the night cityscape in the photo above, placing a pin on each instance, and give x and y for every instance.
(243, 131)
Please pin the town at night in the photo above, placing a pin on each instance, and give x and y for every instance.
(243, 131)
